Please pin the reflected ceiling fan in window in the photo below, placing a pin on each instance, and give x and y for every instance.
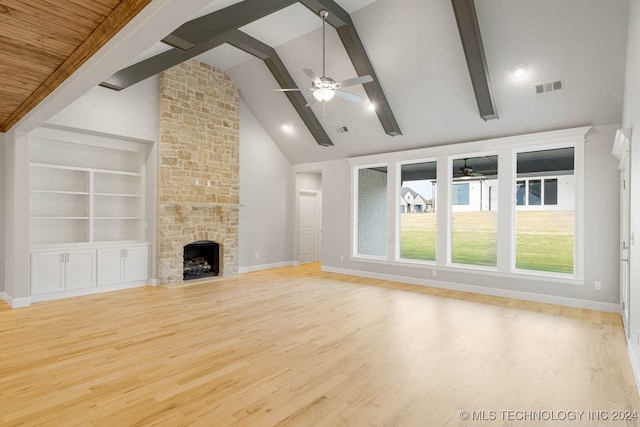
(467, 172)
(325, 88)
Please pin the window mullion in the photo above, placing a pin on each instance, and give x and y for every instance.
(506, 209)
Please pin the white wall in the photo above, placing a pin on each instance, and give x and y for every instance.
(631, 119)
(16, 249)
(309, 181)
(2, 207)
(601, 237)
(131, 112)
(266, 198)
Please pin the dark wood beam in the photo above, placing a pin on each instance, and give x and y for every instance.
(275, 65)
(156, 64)
(469, 30)
(341, 21)
(213, 25)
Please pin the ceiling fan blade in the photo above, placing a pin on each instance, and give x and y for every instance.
(356, 81)
(312, 75)
(348, 96)
(288, 90)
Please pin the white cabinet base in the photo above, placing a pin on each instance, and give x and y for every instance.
(62, 272)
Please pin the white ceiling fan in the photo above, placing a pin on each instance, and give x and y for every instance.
(324, 88)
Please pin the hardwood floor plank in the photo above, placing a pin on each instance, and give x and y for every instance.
(296, 346)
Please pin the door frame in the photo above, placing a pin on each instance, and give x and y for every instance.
(317, 235)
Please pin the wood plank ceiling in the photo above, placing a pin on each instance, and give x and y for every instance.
(42, 42)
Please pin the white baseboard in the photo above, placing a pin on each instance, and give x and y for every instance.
(153, 282)
(634, 366)
(506, 293)
(252, 268)
(16, 302)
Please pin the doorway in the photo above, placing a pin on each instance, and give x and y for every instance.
(309, 230)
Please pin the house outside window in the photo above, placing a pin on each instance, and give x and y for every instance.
(418, 216)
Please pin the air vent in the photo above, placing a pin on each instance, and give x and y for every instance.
(550, 86)
(342, 129)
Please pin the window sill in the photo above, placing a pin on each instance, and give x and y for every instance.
(479, 270)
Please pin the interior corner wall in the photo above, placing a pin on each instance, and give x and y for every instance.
(2, 208)
(265, 198)
(16, 242)
(631, 119)
(600, 236)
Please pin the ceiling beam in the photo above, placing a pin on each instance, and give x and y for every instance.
(156, 64)
(469, 30)
(341, 21)
(202, 34)
(273, 62)
(215, 24)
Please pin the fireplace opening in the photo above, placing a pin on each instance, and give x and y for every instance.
(201, 259)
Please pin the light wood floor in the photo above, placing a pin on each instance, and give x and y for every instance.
(295, 346)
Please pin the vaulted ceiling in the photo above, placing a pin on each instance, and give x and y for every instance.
(43, 42)
(416, 51)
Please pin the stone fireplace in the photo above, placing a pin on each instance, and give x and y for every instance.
(198, 192)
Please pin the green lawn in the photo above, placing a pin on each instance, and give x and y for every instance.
(544, 239)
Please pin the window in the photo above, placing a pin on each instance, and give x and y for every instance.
(535, 190)
(521, 191)
(460, 194)
(550, 191)
(474, 226)
(545, 231)
(372, 211)
(418, 211)
(441, 206)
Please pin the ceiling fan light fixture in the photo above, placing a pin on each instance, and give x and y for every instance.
(323, 94)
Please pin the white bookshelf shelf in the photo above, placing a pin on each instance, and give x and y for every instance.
(76, 193)
(85, 190)
(116, 195)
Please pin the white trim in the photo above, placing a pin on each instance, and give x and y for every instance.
(153, 282)
(539, 140)
(634, 366)
(506, 293)
(16, 302)
(253, 268)
(87, 291)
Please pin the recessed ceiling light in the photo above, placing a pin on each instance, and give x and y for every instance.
(371, 106)
(286, 127)
(519, 70)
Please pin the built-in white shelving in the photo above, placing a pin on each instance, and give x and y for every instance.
(87, 203)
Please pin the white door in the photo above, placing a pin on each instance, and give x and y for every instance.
(308, 226)
(47, 272)
(624, 238)
(79, 269)
(135, 263)
(110, 266)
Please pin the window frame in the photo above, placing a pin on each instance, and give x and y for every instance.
(506, 149)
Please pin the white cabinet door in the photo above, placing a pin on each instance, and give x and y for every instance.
(110, 263)
(135, 263)
(47, 272)
(80, 267)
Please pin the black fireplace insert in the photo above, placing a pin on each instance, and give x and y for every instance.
(201, 259)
